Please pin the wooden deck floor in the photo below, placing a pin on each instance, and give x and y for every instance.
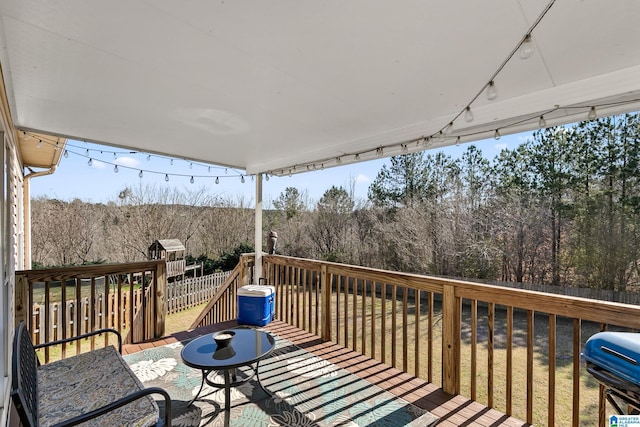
(453, 411)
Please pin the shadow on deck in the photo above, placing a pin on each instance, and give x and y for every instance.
(452, 410)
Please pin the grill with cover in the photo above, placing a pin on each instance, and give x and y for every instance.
(613, 358)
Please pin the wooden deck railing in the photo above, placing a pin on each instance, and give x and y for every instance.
(513, 350)
(76, 300)
(223, 305)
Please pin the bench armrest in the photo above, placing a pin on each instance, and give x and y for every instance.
(121, 402)
(79, 337)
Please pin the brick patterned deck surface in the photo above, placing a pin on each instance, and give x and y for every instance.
(453, 411)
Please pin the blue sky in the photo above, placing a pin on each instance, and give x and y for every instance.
(99, 183)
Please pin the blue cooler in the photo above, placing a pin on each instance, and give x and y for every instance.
(256, 305)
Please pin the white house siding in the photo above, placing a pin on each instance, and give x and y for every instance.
(11, 242)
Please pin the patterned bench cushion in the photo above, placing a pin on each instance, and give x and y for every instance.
(79, 384)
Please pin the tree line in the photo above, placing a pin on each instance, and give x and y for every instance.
(562, 208)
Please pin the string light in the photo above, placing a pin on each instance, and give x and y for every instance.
(192, 180)
(496, 135)
(66, 154)
(592, 114)
(90, 162)
(217, 180)
(115, 168)
(542, 122)
(140, 174)
(526, 48)
(468, 115)
(448, 129)
(166, 177)
(338, 160)
(492, 91)
(39, 144)
(242, 179)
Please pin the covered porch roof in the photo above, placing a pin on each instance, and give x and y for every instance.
(282, 86)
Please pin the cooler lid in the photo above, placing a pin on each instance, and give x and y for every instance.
(256, 290)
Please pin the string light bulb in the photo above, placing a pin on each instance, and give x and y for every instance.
(90, 162)
(356, 157)
(468, 115)
(39, 144)
(542, 122)
(266, 176)
(148, 157)
(492, 91)
(338, 160)
(115, 169)
(405, 149)
(448, 129)
(526, 48)
(592, 114)
(217, 180)
(192, 180)
(66, 154)
(166, 177)
(242, 179)
(497, 135)
(140, 174)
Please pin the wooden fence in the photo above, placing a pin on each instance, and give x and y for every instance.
(107, 310)
(193, 291)
(48, 325)
(134, 304)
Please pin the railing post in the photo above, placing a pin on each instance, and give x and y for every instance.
(244, 269)
(325, 289)
(22, 300)
(161, 298)
(450, 341)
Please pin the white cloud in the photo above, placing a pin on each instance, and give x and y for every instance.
(98, 164)
(501, 146)
(362, 179)
(127, 161)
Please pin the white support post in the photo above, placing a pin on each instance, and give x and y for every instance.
(258, 230)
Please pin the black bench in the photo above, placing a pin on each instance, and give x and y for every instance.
(96, 385)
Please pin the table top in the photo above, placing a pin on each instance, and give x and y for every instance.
(246, 347)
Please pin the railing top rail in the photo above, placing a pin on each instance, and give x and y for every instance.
(568, 306)
(88, 271)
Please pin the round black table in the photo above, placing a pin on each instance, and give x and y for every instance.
(247, 348)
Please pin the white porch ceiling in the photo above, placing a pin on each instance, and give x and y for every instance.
(274, 86)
